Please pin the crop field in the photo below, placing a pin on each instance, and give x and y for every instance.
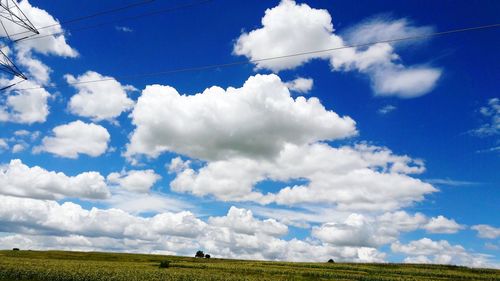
(83, 266)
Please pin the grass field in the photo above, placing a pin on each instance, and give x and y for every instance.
(82, 266)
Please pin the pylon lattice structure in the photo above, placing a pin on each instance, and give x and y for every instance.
(13, 15)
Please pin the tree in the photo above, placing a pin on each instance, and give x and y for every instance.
(331, 261)
(207, 256)
(165, 264)
(199, 254)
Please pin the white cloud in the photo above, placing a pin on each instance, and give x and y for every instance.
(18, 179)
(177, 165)
(353, 178)
(487, 231)
(76, 138)
(124, 29)
(48, 45)
(354, 231)
(256, 120)
(70, 226)
(300, 85)
(442, 252)
(135, 180)
(105, 100)
(291, 28)
(25, 106)
(387, 109)
(3, 145)
(491, 114)
(243, 221)
(152, 202)
(384, 28)
(441, 224)
(18, 147)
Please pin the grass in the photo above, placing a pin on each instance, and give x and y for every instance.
(93, 266)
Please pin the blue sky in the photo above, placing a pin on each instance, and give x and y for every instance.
(380, 153)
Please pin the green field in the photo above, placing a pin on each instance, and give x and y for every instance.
(80, 266)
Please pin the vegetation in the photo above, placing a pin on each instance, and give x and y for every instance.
(80, 266)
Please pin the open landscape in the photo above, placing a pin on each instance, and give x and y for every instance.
(90, 266)
(250, 140)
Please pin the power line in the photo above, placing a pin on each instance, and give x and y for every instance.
(223, 65)
(85, 17)
(167, 10)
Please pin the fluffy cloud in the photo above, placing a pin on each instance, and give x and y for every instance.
(243, 221)
(136, 180)
(31, 106)
(26, 107)
(291, 28)
(99, 101)
(355, 231)
(4, 145)
(487, 231)
(70, 226)
(426, 250)
(354, 178)
(300, 85)
(441, 224)
(360, 230)
(18, 179)
(48, 45)
(255, 120)
(76, 138)
(139, 203)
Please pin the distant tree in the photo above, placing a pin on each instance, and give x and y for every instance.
(165, 264)
(330, 261)
(15, 249)
(199, 254)
(207, 256)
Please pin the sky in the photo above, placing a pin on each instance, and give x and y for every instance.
(386, 152)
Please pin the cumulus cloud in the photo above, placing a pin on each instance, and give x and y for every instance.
(105, 100)
(292, 28)
(353, 178)
(55, 44)
(68, 225)
(18, 147)
(300, 85)
(243, 221)
(4, 145)
(374, 231)
(25, 107)
(487, 231)
(76, 138)
(139, 181)
(441, 224)
(255, 120)
(354, 231)
(18, 179)
(139, 203)
(31, 106)
(426, 250)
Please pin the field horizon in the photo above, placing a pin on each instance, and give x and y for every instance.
(36, 265)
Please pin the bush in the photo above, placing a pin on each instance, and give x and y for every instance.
(330, 261)
(207, 256)
(165, 264)
(15, 249)
(199, 254)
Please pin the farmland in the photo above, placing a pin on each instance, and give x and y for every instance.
(75, 266)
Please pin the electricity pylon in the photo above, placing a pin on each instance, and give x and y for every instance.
(12, 14)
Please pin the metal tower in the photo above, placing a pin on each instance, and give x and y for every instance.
(10, 11)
